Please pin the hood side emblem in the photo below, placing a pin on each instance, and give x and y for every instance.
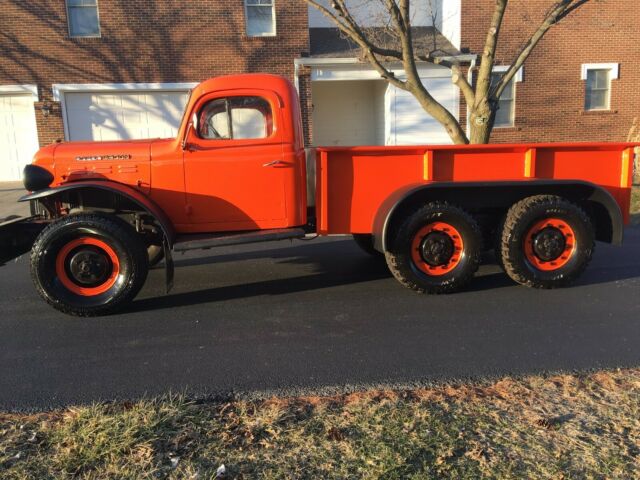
(97, 158)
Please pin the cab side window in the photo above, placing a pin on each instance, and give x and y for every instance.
(239, 118)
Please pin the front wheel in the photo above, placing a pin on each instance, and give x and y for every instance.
(436, 249)
(89, 264)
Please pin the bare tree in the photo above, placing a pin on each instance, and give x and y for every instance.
(396, 45)
(634, 136)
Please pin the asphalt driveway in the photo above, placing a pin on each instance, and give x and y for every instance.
(9, 194)
(311, 316)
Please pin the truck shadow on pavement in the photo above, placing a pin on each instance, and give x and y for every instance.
(340, 263)
(327, 264)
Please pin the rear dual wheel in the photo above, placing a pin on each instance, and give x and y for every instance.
(89, 264)
(436, 249)
(546, 242)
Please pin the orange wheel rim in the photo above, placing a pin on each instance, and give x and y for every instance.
(549, 244)
(437, 248)
(72, 252)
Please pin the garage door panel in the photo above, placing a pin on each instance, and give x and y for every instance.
(411, 125)
(18, 135)
(123, 115)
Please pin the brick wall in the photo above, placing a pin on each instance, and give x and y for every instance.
(306, 104)
(550, 100)
(142, 41)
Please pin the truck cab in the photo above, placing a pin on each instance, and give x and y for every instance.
(242, 139)
(236, 164)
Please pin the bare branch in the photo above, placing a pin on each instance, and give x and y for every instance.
(395, 13)
(558, 12)
(347, 25)
(574, 6)
(488, 54)
(459, 79)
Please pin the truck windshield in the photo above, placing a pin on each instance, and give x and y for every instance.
(186, 106)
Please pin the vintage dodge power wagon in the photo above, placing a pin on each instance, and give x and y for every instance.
(237, 172)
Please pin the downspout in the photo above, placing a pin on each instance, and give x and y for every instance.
(296, 74)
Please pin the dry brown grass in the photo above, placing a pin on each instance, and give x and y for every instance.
(635, 203)
(562, 426)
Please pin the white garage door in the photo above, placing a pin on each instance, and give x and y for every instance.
(411, 125)
(18, 135)
(123, 115)
(348, 112)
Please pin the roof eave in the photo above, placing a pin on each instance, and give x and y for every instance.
(324, 61)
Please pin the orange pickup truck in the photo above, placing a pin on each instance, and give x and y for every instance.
(237, 172)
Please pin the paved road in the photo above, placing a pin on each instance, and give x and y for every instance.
(317, 316)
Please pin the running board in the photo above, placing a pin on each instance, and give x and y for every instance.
(199, 241)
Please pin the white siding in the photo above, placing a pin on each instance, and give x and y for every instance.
(373, 13)
(381, 106)
(450, 21)
(18, 135)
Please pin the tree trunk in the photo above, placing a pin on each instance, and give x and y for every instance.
(481, 122)
(480, 133)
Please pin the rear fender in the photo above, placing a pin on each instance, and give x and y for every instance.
(477, 196)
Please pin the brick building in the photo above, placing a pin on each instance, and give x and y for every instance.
(98, 70)
(581, 82)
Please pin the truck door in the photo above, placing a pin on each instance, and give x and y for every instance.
(234, 168)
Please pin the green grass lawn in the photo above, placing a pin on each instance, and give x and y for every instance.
(562, 426)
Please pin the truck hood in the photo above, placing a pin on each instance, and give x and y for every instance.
(124, 161)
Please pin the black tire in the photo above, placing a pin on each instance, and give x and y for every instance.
(155, 253)
(411, 274)
(365, 242)
(519, 223)
(120, 259)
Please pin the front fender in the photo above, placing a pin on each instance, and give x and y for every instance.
(144, 202)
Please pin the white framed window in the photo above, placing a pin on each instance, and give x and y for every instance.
(505, 116)
(83, 18)
(598, 78)
(260, 17)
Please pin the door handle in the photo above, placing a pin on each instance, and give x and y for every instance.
(271, 164)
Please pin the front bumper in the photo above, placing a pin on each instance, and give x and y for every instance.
(18, 235)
